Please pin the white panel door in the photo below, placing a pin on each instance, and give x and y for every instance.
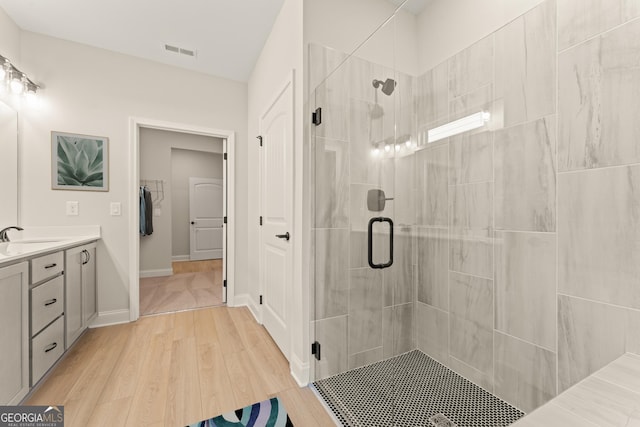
(206, 213)
(276, 251)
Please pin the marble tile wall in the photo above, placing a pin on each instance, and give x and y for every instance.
(486, 298)
(519, 263)
(598, 181)
(599, 101)
(526, 66)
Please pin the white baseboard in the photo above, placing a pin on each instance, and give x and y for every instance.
(245, 300)
(180, 258)
(108, 318)
(156, 273)
(299, 371)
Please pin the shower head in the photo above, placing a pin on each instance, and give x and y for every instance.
(387, 86)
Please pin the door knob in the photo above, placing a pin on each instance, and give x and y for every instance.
(284, 236)
(193, 222)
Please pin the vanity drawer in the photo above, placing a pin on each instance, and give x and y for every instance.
(47, 303)
(46, 349)
(46, 266)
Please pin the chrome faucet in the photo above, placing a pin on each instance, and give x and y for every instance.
(4, 237)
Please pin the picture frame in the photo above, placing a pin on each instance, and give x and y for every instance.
(79, 162)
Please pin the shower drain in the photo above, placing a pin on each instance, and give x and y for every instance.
(412, 390)
(439, 420)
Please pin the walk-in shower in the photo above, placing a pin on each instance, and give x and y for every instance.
(470, 276)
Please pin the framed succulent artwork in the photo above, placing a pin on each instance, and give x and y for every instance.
(79, 162)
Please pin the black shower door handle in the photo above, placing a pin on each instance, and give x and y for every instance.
(370, 243)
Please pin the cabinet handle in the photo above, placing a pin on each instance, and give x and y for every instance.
(50, 265)
(50, 347)
(85, 260)
(50, 302)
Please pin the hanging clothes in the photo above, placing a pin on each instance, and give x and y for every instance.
(146, 212)
(142, 212)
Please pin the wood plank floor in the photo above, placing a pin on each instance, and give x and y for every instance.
(198, 266)
(173, 370)
(194, 284)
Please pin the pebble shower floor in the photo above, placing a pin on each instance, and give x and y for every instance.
(412, 390)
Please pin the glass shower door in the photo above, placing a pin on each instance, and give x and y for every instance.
(361, 253)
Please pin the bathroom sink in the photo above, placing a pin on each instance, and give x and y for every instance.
(23, 247)
(44, 240)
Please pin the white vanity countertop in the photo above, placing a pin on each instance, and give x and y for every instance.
(609, 397)
(34, 241)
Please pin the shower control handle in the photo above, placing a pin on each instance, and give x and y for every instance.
(284, 236)
(370, 242)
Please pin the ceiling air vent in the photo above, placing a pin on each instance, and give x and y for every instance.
(192, 53)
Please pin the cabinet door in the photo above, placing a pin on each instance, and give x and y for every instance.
(74, 258)
(89, 307)
(14, 333)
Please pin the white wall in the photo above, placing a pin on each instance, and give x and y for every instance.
(94, 91)
(344, 25)
(446, 27)
(10, 39)
(156, 164)
(281, 54)
(186, 164)
(9, 48)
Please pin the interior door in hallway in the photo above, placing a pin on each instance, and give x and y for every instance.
(276, 207)
(206, 216)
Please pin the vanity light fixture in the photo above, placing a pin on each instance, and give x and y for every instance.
(474, 121)
(16, 80)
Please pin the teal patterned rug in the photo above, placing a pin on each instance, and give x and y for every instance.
(269, 413)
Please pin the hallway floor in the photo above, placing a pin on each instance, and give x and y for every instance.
(173, 370)
(194, 284)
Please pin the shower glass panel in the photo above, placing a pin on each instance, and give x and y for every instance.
(362, 155)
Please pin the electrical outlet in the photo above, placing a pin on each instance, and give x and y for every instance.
(73, 208)
(116, 209)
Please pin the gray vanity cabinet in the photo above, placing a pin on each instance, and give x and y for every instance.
(80, 298)
(14, 350)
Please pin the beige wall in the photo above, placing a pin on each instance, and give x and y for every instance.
(186, 164)
(156, 147)
(94, 91)
(281, 55)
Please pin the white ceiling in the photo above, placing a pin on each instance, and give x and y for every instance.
(227, 34)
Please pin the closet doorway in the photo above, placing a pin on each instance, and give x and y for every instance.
(182, 259)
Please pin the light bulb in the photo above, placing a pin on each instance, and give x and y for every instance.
(387, 148)
(375, 152)
(31, 97)
(397, 147)
(5, 69)
(408, 143)
(17, 86)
